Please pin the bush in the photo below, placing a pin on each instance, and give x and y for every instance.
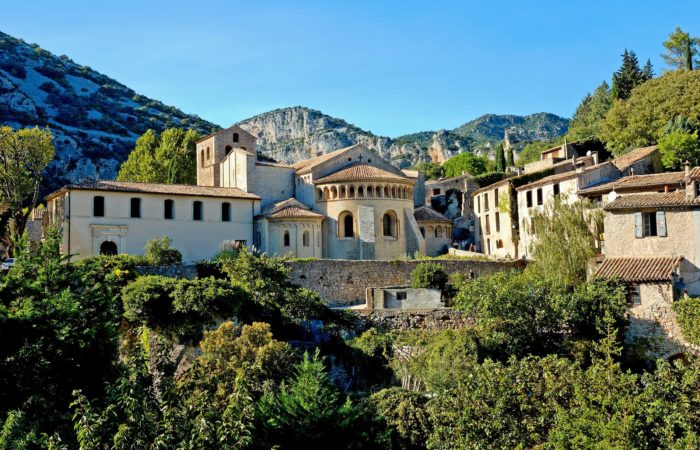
(688, 311)
(159, 252)
(429, 275)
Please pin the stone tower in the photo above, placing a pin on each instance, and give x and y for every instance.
(213, 149)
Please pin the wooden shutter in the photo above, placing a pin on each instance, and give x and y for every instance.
(661, 223)
(638, 225)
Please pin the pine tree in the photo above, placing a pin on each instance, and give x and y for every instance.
(647, 71)
(682, 50)
(627, 77)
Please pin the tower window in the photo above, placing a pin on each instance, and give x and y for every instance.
(286, 239)
(98, 206)
(235, 137)
(135, 207)
(228, 149)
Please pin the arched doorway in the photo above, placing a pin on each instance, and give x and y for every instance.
(108, 248)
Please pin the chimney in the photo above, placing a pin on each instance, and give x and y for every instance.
(689, 184)
(687, 171)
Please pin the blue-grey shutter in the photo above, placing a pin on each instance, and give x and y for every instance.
(661, 223)
(638, 225)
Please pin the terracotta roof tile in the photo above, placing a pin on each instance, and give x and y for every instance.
(308, 164)
(158, 188)
(361, 171)
(638, 181)
(639, 269)
(291, 209)
(624, 161)
(676, 199)
(426, 214)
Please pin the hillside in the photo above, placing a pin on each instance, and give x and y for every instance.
(95, 120)
(296, 133)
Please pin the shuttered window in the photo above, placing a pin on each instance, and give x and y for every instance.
(661, 223)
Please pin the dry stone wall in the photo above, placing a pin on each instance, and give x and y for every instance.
(344, 282)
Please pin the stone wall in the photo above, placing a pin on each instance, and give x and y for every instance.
(425, 319)
(343, 282)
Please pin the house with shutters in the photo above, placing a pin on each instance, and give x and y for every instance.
(652, 243)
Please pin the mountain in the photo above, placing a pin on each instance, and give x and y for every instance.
(296, 133)
(95, 120)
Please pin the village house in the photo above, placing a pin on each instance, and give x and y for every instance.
(652, 244)
(346, 204)
(453, 197)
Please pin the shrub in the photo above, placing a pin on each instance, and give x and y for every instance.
(429, 275)
(159, 252)
(688, 311)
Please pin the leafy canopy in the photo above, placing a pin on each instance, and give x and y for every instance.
(681, 50)
(465, 162)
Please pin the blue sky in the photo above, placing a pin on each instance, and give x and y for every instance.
(392, 67)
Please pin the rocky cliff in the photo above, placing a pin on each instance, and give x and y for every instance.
(297, 133)
(95, 120)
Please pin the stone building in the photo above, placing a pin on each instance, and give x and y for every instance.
(652, 243)
(453, 198)
(435, 228)
(110, 217)
(495, 231)
(347, 204)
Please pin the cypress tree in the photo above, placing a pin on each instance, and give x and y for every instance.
(500, 159)
(509, 157)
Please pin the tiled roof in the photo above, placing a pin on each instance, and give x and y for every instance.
(158, 188)
(360, 171)
(291, 209)
(308, 164)
(626, 160)
(547, 180)
(426, 214)
(676, 199)
(639, 269)
(638, 181)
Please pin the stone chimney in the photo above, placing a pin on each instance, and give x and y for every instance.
(689, 184)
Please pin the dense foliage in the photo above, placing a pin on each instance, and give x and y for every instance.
(168, 158)
(465, 162)
(688, 316)
(429, 275)
(432, 171)
(159, 251)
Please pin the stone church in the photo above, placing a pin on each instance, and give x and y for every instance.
(347, 204)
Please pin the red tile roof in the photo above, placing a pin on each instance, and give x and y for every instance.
(361, 171)
(640, 269)
(426, 214)
(158, 188)
(624, 161)
(291, 209)
(637, 182)
(677, 199)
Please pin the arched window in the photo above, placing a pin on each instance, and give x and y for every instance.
(208, 153)
(351, 192)
(226, 212)
(305, 239)
(438, 232)
(320, 194)
(361, 192)
(228, 149)
(378, 191)
(393, 192)
(370, 191)
(326, 194)
(334, 193)
(201, 158)
(346, 226)
(386, 191)
(197, 210)
(389, 224)
(235, 137)
(343, 192)
(108, 248)
(135, 207)
(98, 206)
(286, 239)
(169, 212)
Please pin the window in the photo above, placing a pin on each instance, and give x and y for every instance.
(305, 239)
(108, 248)
(633, 295)
(697, 189)
(235, 137)
(98, 206)
(208, 153)
(498, 222)
(286, 239)
(401, 295)
(478, 204)
(201, 158)
(169, 212)
(436, 191)
(422, 231)
(135, 207)
(225, 212)
(539, 196)
(495, 198)
(197, 210)
(389, 224)
(348, 231)
(228, 149)
(555, 188)
(528, 199)
(488, 225)
(486, 201)
(650, 224)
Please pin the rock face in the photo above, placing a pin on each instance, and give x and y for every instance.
(297, 133)
(94, 119)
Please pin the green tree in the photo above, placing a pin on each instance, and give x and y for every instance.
(168, 158)
(589, 115)
(679, 146)
(509, 157)
(564, 239)
(433, 171)
(429, 275)
(406, 415)
(24, 154)
(159, 251)
(465, 162)
(500, 159)
(648, 71)
(642, 119)
(627, 77)
(681, 50)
